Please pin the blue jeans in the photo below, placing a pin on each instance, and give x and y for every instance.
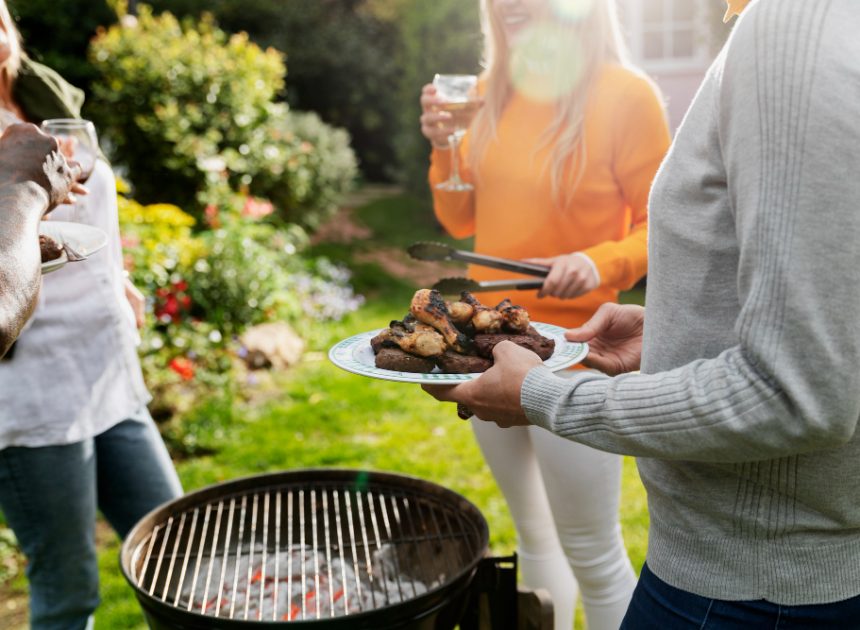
(657, 605)
(49, 497)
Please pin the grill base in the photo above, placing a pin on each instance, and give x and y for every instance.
(488, 600)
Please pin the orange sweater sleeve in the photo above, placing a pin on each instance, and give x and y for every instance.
(641, 139)
(454, 210)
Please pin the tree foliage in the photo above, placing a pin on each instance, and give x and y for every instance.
(58, 32)
(342, 56)
(185, 105)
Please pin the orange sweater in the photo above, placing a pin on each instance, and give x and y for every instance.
(511, 211)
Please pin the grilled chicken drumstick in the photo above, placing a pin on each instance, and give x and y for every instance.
(429, 308)
(461, 313)
(516, 317)
(414, 338)
(410, 336)
(485, 319)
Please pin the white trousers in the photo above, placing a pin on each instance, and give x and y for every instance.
(563, 498)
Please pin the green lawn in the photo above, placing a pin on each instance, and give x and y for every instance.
(322, 416)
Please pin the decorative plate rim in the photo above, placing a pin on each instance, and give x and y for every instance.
(343, 355)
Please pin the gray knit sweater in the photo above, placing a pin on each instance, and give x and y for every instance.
(744, 417)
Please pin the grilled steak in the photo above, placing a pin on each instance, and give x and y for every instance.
(532, 340)
(456, 363)
(396, 359)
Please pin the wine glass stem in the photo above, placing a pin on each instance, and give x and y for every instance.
(454, 143)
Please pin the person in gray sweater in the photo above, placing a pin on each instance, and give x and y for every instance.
(744, 416)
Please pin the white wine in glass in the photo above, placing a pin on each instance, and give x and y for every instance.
(459, 96)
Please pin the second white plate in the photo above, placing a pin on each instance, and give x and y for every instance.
(84, 239)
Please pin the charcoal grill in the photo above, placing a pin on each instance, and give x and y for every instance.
(327, 548)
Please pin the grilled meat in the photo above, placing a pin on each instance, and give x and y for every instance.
(49, 248)
(444, 334)
(484, 319)
(429, 308)
(455, 363)
(382, 340)
(400, 361)
(418, 339)
(531, 340)
(461, 313)
(516, 318)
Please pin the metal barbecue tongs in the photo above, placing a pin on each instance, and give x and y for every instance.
(452, 286)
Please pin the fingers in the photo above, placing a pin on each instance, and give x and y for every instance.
(507, 352)
(556, 281)
(593, 327)
(443, 393)
(541, 261)
(601, 363)
(436, 127)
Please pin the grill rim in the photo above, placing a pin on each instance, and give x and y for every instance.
(426, 603)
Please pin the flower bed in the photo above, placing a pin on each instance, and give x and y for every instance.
(242, 268)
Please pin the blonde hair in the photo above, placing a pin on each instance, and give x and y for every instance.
(598, 35)
(13, 62)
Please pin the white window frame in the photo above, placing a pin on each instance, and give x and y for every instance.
(634, 22)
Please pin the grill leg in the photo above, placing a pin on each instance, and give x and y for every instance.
(534, 610)
(493, 601)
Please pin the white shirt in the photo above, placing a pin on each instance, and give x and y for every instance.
(75, 371)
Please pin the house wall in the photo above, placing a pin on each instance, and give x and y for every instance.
(678, 88)
(678, 79)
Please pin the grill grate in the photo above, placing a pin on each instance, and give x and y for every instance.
(305, 551)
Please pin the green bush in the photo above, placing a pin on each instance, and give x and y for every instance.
(303, 165)
(183, 105)
(343, 57)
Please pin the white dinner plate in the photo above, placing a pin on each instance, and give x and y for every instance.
(84, 239)
(355, 355)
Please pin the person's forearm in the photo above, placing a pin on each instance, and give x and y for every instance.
(720, 409)
(21, 206)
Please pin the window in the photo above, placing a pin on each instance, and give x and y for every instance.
(665, 32)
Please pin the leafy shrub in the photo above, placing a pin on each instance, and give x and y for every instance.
(300, 163)
(204, 288)
(343, 57)
(179, 100)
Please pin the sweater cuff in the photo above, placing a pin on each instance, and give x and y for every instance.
(541, 393)
(594, 270)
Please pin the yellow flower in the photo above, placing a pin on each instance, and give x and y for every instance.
(735, 8)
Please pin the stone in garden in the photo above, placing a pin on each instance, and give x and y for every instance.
(273, 345)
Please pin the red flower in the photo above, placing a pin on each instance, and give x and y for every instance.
(172, 302)
(182, 366)
(257, 208)
(211, 214)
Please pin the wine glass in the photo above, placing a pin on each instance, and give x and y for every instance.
(78, 141)
(460, 98)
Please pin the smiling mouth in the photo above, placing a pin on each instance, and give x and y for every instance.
(515, 19)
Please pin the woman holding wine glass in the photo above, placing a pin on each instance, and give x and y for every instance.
(75, 434)
(558, 163)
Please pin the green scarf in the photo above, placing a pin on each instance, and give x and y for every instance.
(42, 93)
